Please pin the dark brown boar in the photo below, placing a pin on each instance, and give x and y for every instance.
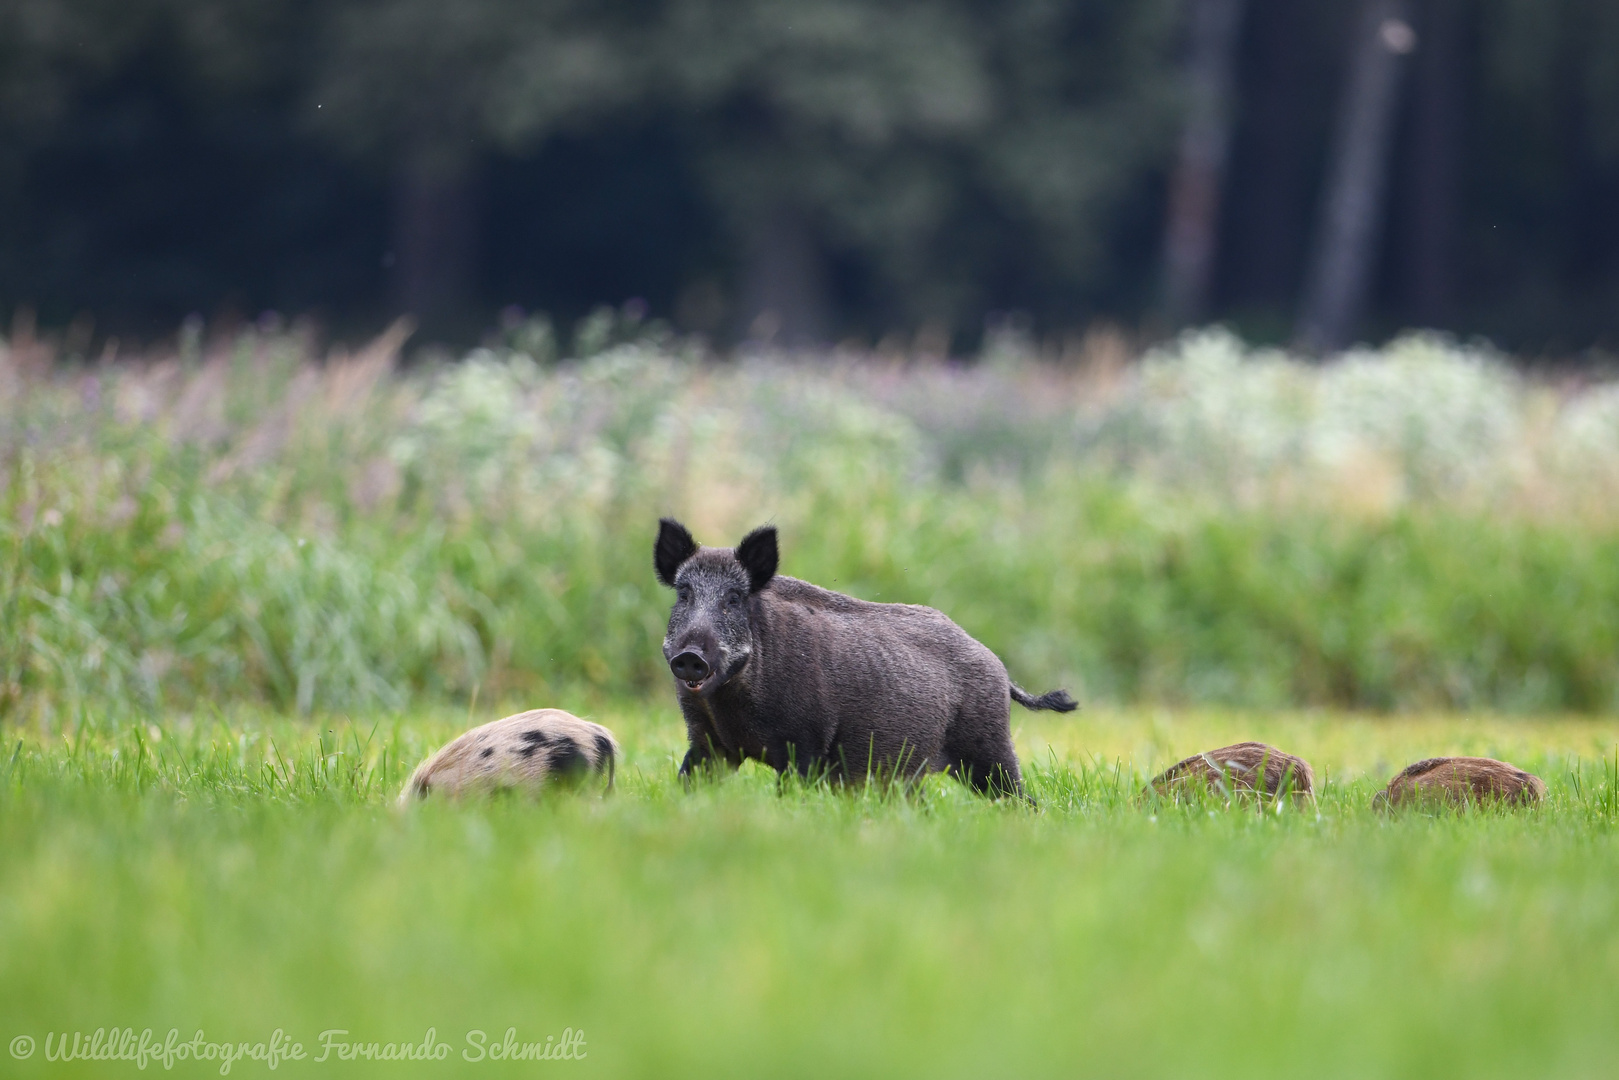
(1245, 767)
(781, 671)
(1459, 780)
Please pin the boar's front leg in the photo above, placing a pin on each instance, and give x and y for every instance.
(704, 755)
(788, 757)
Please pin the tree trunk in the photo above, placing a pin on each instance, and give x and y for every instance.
(1352, 210)
(1436, 163)
(1195, 188)
(1270, 197)
(784, 287)
(435, 224)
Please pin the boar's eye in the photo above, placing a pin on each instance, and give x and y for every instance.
(683, 592)
(734, 598)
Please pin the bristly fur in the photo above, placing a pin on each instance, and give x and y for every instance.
(805, 679)
(1239, 769)
(1461, 780)
(528, 751)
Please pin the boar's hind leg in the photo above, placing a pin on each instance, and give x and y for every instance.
(988, 770)
(978, 742)
(996, 779)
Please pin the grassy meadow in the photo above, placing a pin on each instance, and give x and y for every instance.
(246, 588)
(248, 873)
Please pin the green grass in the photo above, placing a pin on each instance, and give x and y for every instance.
(240, 873)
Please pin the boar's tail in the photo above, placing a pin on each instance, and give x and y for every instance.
(1057, 700)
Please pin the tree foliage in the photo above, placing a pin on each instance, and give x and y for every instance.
(946, 157)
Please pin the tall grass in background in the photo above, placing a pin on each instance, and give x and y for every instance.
(1418, 526)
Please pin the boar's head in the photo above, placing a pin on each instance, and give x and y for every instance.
(710, 635)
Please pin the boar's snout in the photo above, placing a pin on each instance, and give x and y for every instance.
(689, 668)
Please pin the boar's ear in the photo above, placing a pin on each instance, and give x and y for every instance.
(674, 547)
(757, 554)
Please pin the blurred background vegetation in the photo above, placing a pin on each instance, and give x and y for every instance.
(818, 170)
(911, 281)
(251, 521)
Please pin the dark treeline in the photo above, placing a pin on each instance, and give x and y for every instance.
(1309, 170)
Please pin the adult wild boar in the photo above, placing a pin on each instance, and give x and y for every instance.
(776, 669)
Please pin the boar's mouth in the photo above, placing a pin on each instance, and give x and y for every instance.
(704, 679)
(707, 684)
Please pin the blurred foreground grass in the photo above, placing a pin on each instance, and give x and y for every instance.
(240, 873)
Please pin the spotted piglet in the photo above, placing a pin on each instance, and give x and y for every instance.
(527, 752)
